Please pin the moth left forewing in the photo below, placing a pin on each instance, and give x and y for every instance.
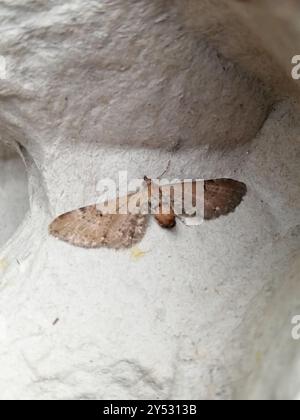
(133, 203)
(89, 228)
(80, 227)
(126, 231)
(139, 202)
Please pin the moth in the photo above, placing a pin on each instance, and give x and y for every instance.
(89, 227)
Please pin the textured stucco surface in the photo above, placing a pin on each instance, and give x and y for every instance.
(13, 193)
(98, 87)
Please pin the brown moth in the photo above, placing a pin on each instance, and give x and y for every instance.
(88, 227)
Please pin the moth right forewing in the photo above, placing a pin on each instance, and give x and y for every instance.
(188, 198)
(138, 203)
(222, 196)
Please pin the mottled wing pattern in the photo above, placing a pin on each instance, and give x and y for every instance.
(222, 196)
(89, 228)
(212, 198)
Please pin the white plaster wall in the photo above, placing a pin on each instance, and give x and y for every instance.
(13, 193)
(97, 87)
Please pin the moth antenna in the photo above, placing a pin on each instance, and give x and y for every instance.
(149, 180)
(166, 170)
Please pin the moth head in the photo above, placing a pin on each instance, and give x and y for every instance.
(147, 180)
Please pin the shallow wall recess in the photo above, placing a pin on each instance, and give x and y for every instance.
(14, 201)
